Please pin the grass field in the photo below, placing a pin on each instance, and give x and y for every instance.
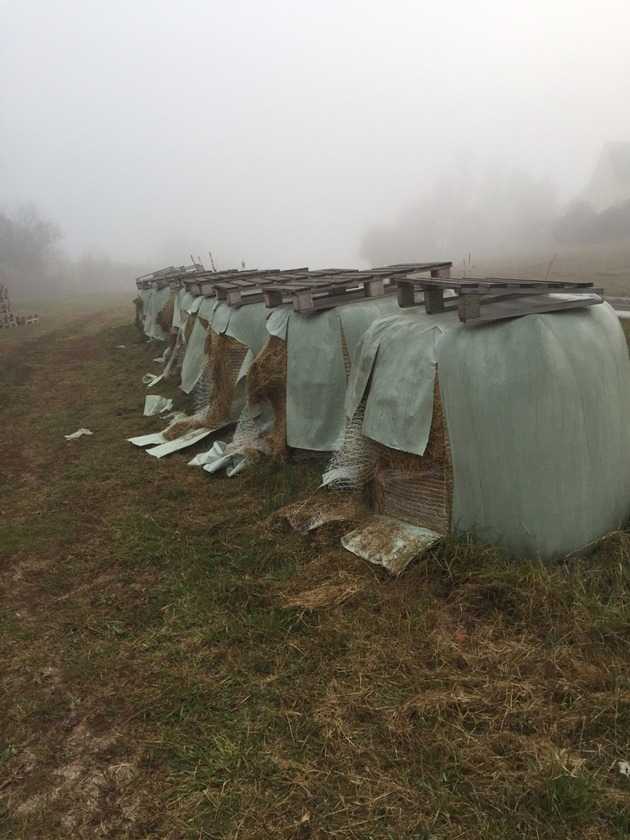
(161, 676)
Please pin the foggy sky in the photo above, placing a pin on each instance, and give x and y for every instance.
(277, 132)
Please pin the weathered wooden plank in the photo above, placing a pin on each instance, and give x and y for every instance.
(537, 304)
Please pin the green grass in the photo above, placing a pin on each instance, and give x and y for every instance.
(154, 681)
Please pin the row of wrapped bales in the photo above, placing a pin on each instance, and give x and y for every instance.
(516, 431)
(512, 430)
(219, 352)
(285, 373)
(296, 384)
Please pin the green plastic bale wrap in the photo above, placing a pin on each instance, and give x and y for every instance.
(537, 412)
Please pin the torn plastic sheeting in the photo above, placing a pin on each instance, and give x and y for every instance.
(217, 464)
(161, 359)
(150, 379)
(147, 440)
(277, 323)
(316, 382)
(79, 433)
(316, 372)
(217, 450)
(404, 381)
(233, 464)
(216, 459)
(156, 405)
(244, 324)
(195, 305)
(389, 542)
(182, 442)
(355, 319)
(239, 464)
(195, 357)
(153, 307)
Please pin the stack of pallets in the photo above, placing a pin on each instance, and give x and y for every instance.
(7, 318)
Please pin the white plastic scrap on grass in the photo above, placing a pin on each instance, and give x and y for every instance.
(156, 405)
(216, 459)
(161, 359)
(79, 433)
(150, 380)
(389, 542)
(624, 768)
(188, 439)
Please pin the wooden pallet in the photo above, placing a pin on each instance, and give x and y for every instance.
(172, 275)
(328, 288)
(493, 298)
(232, 287)
(240, 291)
(195, 284)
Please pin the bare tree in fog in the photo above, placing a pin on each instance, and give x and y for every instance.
(28, 247)
(32, 263)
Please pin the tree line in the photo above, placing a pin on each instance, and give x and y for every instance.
(33, 264)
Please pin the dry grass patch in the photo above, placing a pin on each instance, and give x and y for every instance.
(176, 665)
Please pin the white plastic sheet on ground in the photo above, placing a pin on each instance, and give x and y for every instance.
(147, 440)
(154, 405)
(217, 459)
(161, 359)
(150, 379)
(182, 442)
(79, 433)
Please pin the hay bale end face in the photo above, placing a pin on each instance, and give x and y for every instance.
(267, 384)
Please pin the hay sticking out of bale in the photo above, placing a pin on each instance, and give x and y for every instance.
(225, 358)
(267, 383)
(417, 488)
(165, 315)
(182, 427)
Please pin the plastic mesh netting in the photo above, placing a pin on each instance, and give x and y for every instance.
(352, 467)
(415, 488)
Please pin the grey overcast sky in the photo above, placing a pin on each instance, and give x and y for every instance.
(278, 130)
